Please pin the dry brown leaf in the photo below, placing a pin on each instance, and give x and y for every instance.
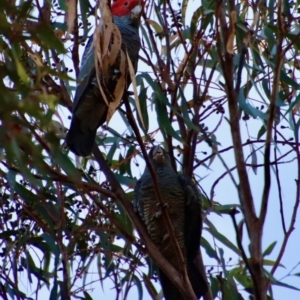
(230, 42)
(106, 26)
(136, 98)
(99, 59)
(98, 48)
(100, 85)
(115, 45)
(98, 62)
(109, 58)
(70, 16)
(119, 89)
(107, 43)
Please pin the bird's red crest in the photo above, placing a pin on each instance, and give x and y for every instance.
(124, 7)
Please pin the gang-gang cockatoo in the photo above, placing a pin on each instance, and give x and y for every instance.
(183, 202)
(90, 109)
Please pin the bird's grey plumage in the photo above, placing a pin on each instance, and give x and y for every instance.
(183, 201)
(89, 107)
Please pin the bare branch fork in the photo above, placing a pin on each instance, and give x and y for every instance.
(225, 36)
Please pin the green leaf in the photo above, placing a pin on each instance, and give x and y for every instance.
(160, 105)
(265, 85)
(274, 281)
(269, 250)
(268, 262)
(214, 286)
(50, 40)
(11, 179)
(124, 220)
(208, 248)
(223, 264)
(240, 274)
(128, 181)
(87, 296)
(196, 15)
(158, 29)
(230, 290)
(112, 150)
(29, 264)
(84, 7)
(144, 110)
(54, 291)
(20, 70)
(149, 285)
(253, 159)
(261, 131)
(62, 4)
(184, 6)
(163, 120)
(106, 245)
(249, 109)
(139, 287)
(146, 37)
(288, 80)
(215, 233)
(129, 156)
(64, 162)
(226, 208)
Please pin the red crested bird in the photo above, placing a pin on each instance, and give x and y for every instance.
(89, 107)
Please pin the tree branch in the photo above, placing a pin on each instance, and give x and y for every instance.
(184, 286)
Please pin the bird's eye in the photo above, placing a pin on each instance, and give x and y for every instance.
(126, 4)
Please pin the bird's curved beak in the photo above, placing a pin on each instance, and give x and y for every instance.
(158, 155)
(136, 13)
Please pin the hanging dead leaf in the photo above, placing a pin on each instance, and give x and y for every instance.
(107, 43)
(230, 41)
(99, 60)
(109, 58)
(70, 16)
(98, 74)
(136, 98)
(119, 89)
(106, 26)
(116, 44)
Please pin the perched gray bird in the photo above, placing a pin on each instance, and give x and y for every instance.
(89, 107)
(183, 203)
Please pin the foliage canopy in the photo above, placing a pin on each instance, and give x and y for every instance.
(209, 72)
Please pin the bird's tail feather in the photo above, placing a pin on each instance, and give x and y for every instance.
(169, 289)
(198, 283)
(79, 142)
